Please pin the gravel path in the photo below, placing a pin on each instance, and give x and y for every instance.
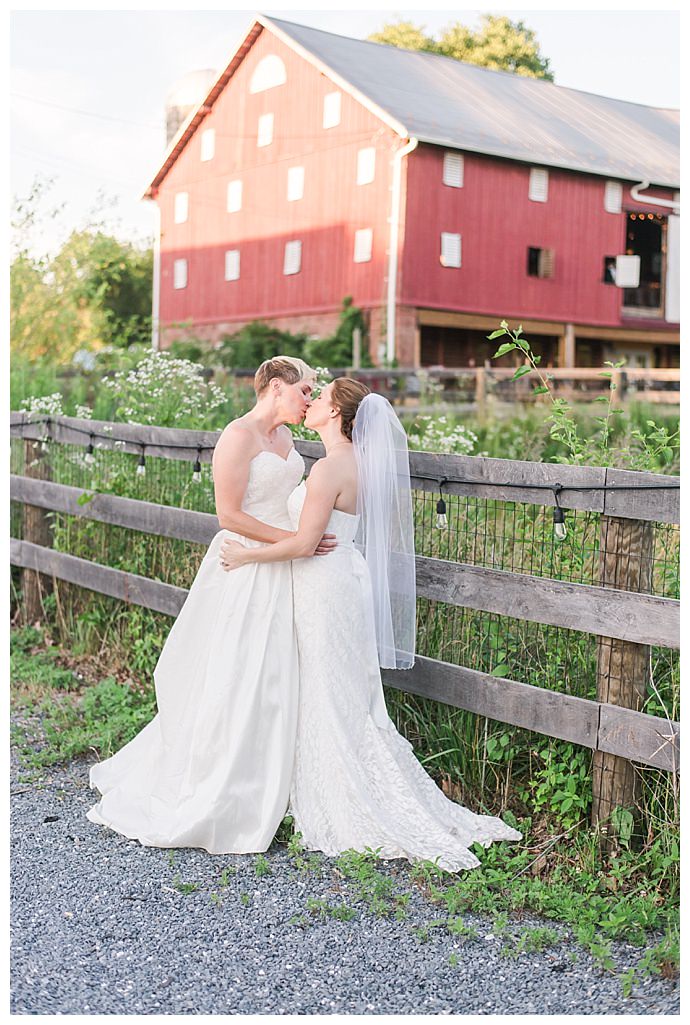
(100, 925)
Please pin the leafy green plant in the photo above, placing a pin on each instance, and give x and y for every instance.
(655, 445)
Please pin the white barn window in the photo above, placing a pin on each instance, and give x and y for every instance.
(234, 199)
(539, 184)
(181, 207)
(268, 73)
(295, 183)
(366, 165)
(453, 170)
(613, 197)
(451, 249)
(208, 144)
(180, 274)
(363, 243)
(331, 110)
(292, 262)
(232, 265)
(264, 135)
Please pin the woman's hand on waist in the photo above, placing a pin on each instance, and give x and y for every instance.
(327, 544)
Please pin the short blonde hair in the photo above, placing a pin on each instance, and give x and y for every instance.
(290, 369)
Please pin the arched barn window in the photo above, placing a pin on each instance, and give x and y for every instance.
(268, 73)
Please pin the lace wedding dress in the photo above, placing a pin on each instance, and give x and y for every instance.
(213, 768)
(357, 782)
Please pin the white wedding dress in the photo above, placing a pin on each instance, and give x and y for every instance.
(213, 768)
(357, 782)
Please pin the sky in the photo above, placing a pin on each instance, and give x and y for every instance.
(88, 88)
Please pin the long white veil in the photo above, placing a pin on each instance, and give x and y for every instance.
(385, 535)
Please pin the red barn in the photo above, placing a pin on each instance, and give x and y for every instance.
(442, 196)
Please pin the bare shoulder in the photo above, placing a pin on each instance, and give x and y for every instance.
(329, 474)
(237, 440)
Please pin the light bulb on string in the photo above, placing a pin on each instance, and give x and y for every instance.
(559, 528)
(46, 436)
(89, 456)
(196, 474)
(141, 466)
(441, 517)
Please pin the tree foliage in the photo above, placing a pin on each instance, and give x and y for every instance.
(499, 43)
(95, 291)
(337, 350)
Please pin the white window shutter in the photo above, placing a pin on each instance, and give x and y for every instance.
(181, 207)
(539, 184)
(292, 262)
(264, 135)
(613, 197)
(208, 144)
(180, 274)
(453, 170)
(295, 183)
(234, 200)
(363, 245)
(331, 110)
(366, 165)
(451, 249)
(232, 265)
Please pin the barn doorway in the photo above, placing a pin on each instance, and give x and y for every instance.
(646, 238)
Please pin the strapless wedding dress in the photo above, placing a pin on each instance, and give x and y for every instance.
(357, 782)
(213, 768)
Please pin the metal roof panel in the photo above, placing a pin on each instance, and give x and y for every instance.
(462, 106)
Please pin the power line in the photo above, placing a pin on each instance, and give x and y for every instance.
(85, 113)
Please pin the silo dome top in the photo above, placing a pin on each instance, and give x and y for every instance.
(191, 88)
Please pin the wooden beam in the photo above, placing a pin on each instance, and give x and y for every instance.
(641, 618)
(518, 704)
(654, 740)
(661, 506)
(517, 474)
(635, 735)
(184, 524)
(508, 701)
(485, 322)
(129, 587)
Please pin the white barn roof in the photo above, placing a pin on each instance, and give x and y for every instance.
(450, 103)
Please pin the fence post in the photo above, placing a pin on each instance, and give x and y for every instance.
(625, 562)
(480, 392)
(36, 527)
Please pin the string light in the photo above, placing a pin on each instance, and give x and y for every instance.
(441, 517)
(141, 466)
(90, 457)
(196, 475)
(559, 529)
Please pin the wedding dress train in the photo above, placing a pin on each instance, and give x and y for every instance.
(357, 782)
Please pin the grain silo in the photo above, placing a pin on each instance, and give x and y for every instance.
(184, 97)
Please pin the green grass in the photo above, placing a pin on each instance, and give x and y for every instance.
(74, 718)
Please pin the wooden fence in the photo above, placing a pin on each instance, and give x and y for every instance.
(480, 386)
(620, 611)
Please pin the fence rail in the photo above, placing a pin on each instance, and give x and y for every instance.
(507, 480)
(479, 385)
(615, 613)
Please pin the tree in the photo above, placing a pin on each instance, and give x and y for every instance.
(405, 36)
(95, 291)
(499, 43)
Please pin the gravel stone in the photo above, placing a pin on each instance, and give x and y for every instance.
(98, 926)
